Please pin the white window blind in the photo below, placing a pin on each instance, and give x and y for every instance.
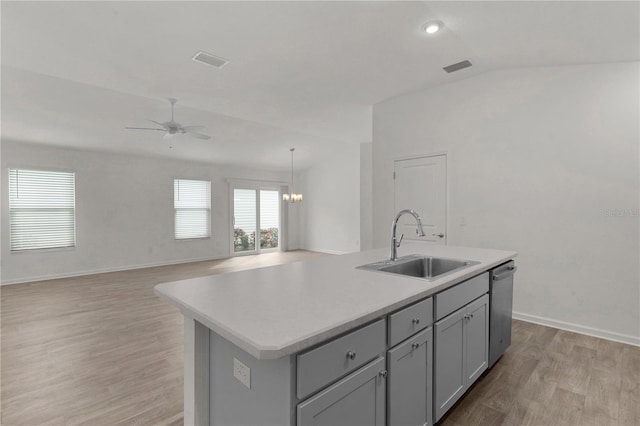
(244, 209)
(269, 218)
(192, 204)
(269, 209)
(41, 209)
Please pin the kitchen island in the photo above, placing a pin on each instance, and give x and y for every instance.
(273, 346)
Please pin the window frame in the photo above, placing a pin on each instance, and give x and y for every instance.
(175, 209)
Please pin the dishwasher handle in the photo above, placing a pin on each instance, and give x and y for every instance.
(510, 271)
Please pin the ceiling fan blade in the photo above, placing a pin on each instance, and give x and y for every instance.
(144, 128)
(199, 135)
(157, 122)
(193, 129)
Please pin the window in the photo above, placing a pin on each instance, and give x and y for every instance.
(192, 204)
(41, 209)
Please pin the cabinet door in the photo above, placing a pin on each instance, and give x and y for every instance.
(477, 339)
(449, 362)
(410, 381)
(358, 399)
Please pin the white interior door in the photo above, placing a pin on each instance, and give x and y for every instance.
(421, 185)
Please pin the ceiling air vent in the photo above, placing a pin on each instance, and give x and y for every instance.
(209, 59)
(456, 67)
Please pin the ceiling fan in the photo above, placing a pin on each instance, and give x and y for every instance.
(171, 128)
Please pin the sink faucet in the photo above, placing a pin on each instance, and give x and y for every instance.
(396, 243)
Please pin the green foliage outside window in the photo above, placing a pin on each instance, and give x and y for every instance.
(269, 238)
(243, 241)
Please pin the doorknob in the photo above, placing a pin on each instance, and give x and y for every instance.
(441, 235)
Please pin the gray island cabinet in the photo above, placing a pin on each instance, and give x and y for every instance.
(323, 343)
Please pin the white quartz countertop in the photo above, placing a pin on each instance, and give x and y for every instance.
(279, 310)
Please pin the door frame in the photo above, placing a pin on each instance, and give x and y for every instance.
(447, 178)
(257, 186)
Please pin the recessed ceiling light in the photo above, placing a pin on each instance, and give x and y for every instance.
(432, 27)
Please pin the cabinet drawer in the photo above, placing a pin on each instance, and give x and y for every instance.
(322, 365)
(410, 320)
(456, 297)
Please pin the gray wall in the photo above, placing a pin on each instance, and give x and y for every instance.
(330, 211)
(542, 161)
(366, 214)
(124, 212)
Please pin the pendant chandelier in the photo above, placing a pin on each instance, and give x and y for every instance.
(291, 197)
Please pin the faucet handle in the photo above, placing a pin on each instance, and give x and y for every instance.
(400, 240)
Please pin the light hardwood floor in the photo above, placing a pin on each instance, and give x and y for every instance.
(555, 377)
(100, 349)
(103, 350)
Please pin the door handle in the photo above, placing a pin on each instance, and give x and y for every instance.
(441, 235)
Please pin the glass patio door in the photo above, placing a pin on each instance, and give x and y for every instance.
(269, 219)
(256, 220)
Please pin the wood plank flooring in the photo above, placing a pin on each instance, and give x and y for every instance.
(555, 377)
(103, 350)
(100, 349)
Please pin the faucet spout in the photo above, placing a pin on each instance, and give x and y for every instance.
(394, 242)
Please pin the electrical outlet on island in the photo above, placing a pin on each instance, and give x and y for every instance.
(242, 373)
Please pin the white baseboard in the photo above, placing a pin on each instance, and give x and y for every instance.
(320, 250)
(581, 329)
(104, 270)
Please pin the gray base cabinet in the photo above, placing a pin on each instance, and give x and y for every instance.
(449, 376)
(400, 370)
(410, 381)
(461, 352)
(357, 400)
(477, 339)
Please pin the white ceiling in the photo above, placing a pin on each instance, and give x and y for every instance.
(301, 74)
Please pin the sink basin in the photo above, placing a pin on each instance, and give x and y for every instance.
(426, 267)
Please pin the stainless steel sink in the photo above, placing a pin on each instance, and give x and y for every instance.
(414, 265)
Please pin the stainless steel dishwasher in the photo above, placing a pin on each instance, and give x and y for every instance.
(500, 309)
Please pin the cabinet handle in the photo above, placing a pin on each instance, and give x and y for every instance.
(416, 321)
(466, 316)
(383, 374)
(415, 345)
(351, 355)
(470, 315)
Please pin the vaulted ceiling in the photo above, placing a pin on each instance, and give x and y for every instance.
(302, 74)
